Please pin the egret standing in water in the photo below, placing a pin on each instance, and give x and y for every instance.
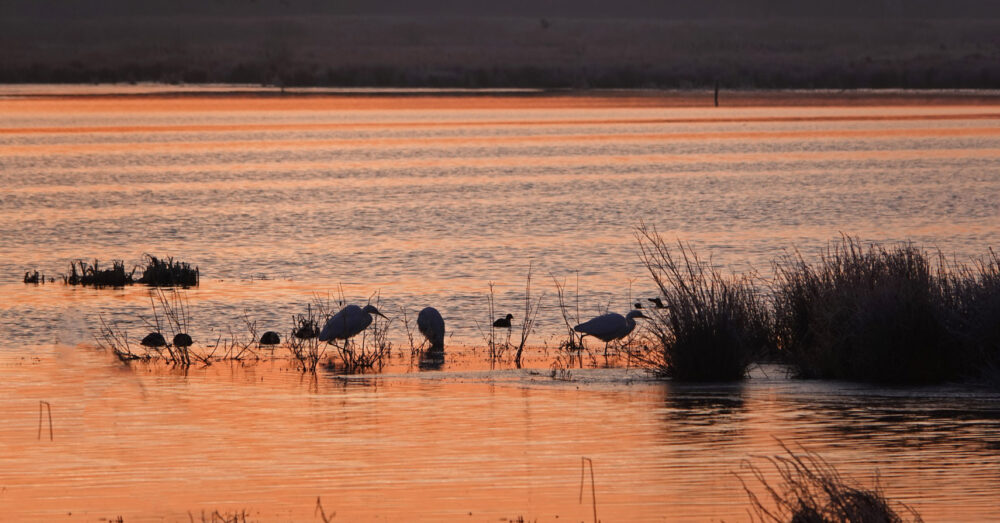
(347, 323)
(609, 327)
(431, 325)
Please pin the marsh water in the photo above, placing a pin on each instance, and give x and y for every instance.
(424, 199)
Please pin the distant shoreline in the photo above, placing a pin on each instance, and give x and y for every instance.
(652, 97)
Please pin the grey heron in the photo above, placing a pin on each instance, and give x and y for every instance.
(609, 327)
(431, 325)
(504, 322)
(347, 323)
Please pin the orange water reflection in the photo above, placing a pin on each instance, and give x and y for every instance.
(151, 443)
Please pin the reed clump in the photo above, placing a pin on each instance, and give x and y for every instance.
(971, 296)
(83, 273)
(713, 325)
(168, 273)
(810, 490)
(869, 313)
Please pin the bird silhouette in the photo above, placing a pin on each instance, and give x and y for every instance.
(182, 340)
(657, 302)
(431, 325)
(270, 338)
(504, 322)
(609, 327)
(153, 339)
(637, 305)
(348, 322)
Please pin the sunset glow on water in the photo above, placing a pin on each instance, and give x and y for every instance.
(424, 200)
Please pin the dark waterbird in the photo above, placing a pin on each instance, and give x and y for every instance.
(656, 301)
(431, 325)
(182, 340)
(609, 327)
(347, 323)
(504, 322)
(637, 305)
(306, 331)
(154, 339)
(270, 338)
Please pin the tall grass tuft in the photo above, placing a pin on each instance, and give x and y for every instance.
(869, 313)
(810, 490)
(971, 294)
(168, 273)
(713, 325)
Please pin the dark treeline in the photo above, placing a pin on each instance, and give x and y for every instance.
(665, 9)
(281, 43)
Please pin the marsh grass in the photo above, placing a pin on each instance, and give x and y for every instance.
(83, 273)
(713, 325)
(971, 302)
(168, 273)
(810, 490)
(869, 313)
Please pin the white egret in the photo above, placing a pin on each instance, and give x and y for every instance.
(431, 325)
(504, 322)
(348, 322)
(609, 327)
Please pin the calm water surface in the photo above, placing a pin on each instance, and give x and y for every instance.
(424, 200)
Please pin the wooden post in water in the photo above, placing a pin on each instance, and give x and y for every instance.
(716, 93)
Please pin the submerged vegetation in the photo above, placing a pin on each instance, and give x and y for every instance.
(157, 272)
(168, 273)
(810, 490)
(92, 274)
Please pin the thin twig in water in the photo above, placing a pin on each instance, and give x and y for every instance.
(593, 489)
(322, 513)
(48, 408)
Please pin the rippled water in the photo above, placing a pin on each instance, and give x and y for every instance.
(425, 200)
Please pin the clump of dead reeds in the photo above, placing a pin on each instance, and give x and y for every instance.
(971, 302)
(303, 342)
(870, 313)
(83, 273)
(810, 490)
(34, 277)
(570, 316)
(497, 345)
(168, 273)
(713, 325)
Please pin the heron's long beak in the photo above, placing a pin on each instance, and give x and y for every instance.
(641, 315)
(382, 315)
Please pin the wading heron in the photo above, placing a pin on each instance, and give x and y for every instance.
(431, 325)
(348, 322)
